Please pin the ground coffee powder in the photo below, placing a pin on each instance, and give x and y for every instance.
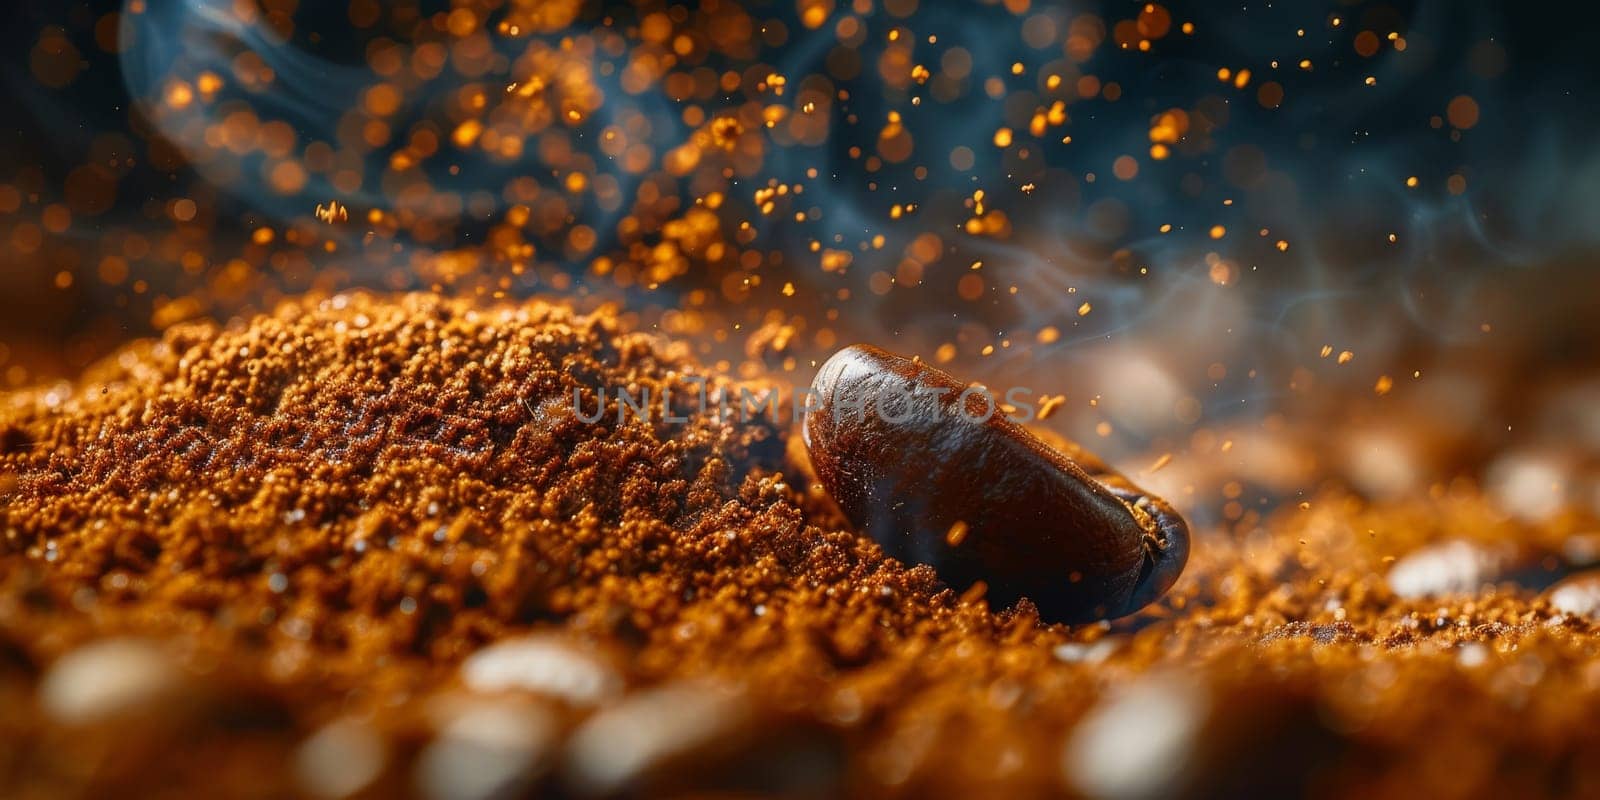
(363, 546)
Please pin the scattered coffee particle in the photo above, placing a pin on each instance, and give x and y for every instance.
(957, 534)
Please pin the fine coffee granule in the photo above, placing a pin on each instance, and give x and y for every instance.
(365, 546)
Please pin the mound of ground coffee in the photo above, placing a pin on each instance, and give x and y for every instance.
(364, 546)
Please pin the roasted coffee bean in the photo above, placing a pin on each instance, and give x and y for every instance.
(937, 475)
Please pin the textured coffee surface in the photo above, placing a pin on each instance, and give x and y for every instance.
(253, 560)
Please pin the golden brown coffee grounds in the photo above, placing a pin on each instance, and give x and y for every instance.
(254, 559)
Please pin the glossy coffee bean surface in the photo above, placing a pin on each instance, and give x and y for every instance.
(938, 476)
